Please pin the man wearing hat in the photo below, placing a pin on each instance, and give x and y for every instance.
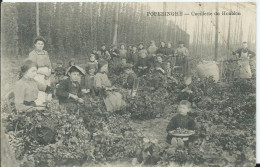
(162, 49)
(69, 90)
(181, 54)
(181, 50)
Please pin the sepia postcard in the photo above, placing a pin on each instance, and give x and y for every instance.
(128, 84)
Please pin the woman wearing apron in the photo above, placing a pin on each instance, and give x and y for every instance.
(245, 70)
(41, 58)
(244, 55)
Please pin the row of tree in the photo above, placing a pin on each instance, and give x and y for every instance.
(73, 29)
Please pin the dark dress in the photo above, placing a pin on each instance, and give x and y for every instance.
(130, 81)
(59, 74)
(162, 50)
(115, 55)
(142, 66)
(170, 56)
(133, 58)
(87, 82)
(180, 121)
(65, 88)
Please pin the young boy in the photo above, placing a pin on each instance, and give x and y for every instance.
(131, 76)
(159, 64)
(181, 120)
(59, 72)
(69, 90)
(92, 62)
(87, 82)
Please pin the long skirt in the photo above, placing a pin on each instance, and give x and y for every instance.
(186, 68)
(245, 70)
(114, 101)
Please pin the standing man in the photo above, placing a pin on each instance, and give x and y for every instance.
(181, 54)
(244, 55)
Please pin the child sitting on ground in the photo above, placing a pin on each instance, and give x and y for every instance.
(168, 69)
(69, 90)
(159, 64)
(131, 76)
(59, 72)
(92, 62)
(87, 81)
(183, 121)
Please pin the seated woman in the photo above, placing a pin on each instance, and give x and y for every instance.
(69, 90)
(26, 89)
(113, 100)
(26, 93)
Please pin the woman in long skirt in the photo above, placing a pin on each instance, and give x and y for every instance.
(113, 100)
(41, 58)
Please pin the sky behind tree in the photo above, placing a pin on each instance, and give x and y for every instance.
(247, 10)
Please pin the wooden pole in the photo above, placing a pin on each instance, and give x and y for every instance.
(216, 34)
(115, 25)
(37, 19)
(228, 38)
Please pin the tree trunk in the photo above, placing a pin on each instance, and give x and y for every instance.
(228, 38)
(116, 25)
(216, 35)
(37, 19)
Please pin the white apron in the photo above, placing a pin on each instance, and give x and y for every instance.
(245, 70)
(42, 96)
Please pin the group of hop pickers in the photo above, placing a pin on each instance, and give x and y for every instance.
(34, 89)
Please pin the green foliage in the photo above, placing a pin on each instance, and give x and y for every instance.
(225, 119)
